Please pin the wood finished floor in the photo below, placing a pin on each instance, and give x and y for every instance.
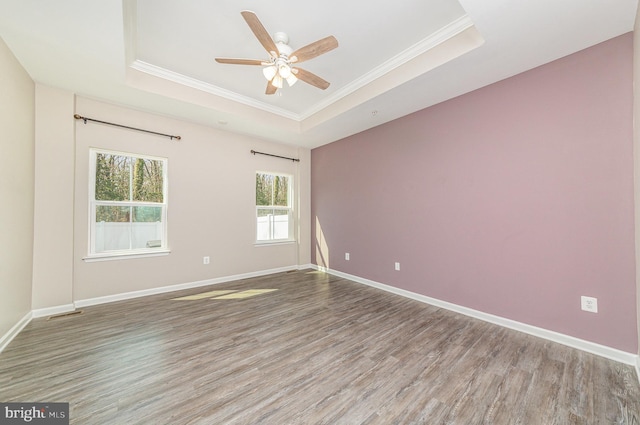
(320, 350)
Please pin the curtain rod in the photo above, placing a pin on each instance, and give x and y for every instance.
(85, 119)
(275, 156)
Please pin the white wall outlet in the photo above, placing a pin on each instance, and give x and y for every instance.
(589, 304)
(397, 266)
(346, 256)
(206, 260)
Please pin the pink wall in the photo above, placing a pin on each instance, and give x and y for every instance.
(514, 200)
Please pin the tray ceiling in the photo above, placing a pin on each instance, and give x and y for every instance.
(158, 55)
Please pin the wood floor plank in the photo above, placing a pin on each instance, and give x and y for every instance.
(318, 350)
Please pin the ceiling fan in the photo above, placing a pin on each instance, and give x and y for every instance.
(280, 65)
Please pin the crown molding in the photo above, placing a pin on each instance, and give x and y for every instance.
(445, 33)
(194, 83)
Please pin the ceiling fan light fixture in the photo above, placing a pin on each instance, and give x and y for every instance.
(269, 72)
(284, 70)
(291, 79)
(277, 81)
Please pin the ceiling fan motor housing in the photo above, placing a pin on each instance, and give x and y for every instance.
(282, 42)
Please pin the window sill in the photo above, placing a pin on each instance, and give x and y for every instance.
(272, 243)
(125, 256)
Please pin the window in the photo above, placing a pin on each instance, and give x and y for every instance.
(128, 204)
(274, 214)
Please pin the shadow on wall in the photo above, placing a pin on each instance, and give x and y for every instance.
(322, 249)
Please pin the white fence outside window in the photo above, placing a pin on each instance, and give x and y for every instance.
(116, 236)
(273, 227)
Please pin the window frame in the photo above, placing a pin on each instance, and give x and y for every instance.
(291, 237)
(163, 249)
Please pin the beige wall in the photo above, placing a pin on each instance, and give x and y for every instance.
(16, 189)
(53, 221)
(211, 202)
(636, 143)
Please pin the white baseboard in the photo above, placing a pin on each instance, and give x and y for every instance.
(51, 311)
(179, 287)
(590, 347)
(15, 330)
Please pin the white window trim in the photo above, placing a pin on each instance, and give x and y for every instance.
(275, 242)
(292, 217)
(129, 253)
(126, 255)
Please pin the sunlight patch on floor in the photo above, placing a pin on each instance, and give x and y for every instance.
(203, 295)
(225, 294)
(244, 294)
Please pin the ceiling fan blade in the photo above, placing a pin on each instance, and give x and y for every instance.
(310, 78)
(314, 49)
(240, 61)
(259, 31)
(271, 89)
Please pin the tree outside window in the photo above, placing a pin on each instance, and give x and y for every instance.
(128, 203)
(274, 207)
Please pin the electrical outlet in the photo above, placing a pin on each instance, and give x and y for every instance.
(397, 266)
(206, 260)
(346, 256)
(589, 304)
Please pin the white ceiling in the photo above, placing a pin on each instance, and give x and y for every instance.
(393, 58)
